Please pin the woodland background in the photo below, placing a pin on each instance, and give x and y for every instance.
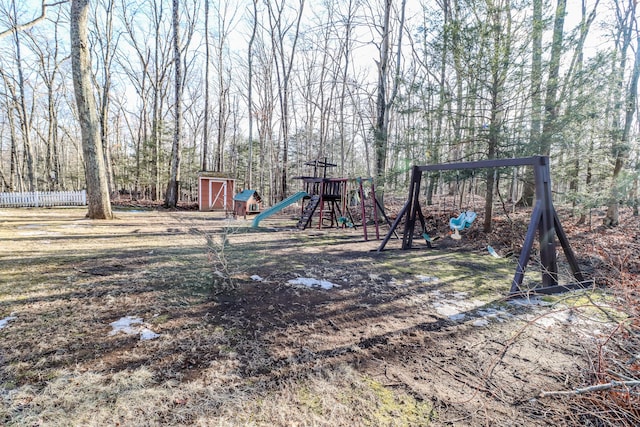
(374, 86)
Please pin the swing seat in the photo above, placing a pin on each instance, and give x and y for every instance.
(469, 216)
(464, 220)
(458, 223)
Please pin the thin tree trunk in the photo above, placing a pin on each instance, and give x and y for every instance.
(171, 198)
(25, 124)
(249, 176)
(207, 59)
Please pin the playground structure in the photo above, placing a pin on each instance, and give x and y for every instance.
(327, 200)
(327, 194)
(544, 220)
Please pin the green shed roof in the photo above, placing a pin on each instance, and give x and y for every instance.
(245, 195)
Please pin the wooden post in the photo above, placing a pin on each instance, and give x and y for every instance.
(363, 210)
(414, 193)
(374, 204)
(546, 226)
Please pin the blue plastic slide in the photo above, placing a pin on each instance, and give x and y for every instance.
(278, 207)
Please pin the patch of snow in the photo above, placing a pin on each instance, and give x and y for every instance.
(479, 323)
(147, 334)
(427, 279)
(456, 307)
(256, 278)
(457, 317)
(453, 312)
(6, 320)
(493, 314)
(131, 325)
(526, 302)
(125, 324)
(312, 283)
(546, 321)
(562, 317)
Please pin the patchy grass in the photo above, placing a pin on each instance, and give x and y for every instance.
(382, 348)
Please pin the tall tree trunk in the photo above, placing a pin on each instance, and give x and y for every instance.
(535, 92)
(536, 75)
(346, 50)
(385, 99)
(499, 18)
(95, 171)
(105, 97)
(284, 66)
(25, 122)
(249, 177)
(156, 136)
(549, 125)
(545, 136)
(621, 139)
(207, 59)
(171, 198)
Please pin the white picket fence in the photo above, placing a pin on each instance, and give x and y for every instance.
(38, 199)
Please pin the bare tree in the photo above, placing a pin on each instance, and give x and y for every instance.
(252, 39)
(48, 53)
(386, 96)
(171, 198)
(280, 31)
(207, 59)
(226, 15)
(15, 175)
(107, 42)
(95, 170)
(153, 54)
(43, 15)
(18, 92)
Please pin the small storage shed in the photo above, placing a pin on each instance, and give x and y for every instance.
(215, 191)
(246, 202)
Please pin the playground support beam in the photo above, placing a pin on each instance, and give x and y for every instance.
(544, 220)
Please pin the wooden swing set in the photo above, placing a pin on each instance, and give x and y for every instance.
(544, 220)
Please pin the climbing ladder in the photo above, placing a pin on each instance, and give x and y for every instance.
(308, 211)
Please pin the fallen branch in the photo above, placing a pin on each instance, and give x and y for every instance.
(597, 387)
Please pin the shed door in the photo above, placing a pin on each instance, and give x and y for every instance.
(218, 195)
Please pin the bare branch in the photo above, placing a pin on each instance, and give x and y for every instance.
(597, 387)
(33, 22)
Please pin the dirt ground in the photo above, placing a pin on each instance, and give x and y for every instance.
(214, 332)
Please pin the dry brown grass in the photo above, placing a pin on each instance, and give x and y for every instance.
(376, 351)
